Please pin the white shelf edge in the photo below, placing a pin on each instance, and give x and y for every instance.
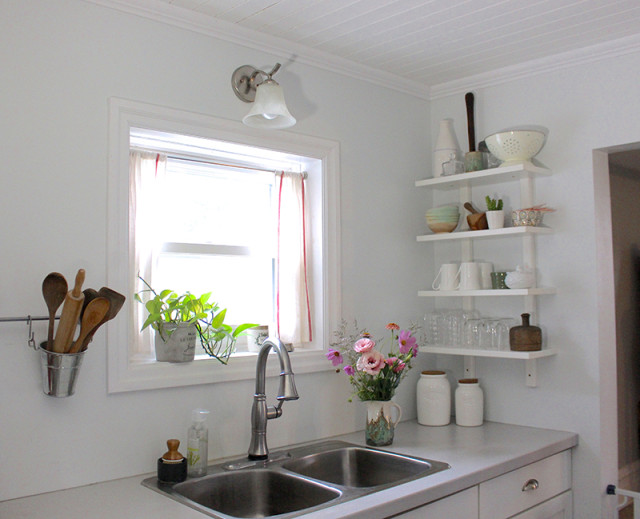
(488, 233)
(515, 172)
(471, 352)
(540, 291)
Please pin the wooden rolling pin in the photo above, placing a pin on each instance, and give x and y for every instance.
(70, 314)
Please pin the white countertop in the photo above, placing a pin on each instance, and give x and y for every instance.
(474, 453)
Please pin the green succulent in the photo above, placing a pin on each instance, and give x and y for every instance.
(493, 204)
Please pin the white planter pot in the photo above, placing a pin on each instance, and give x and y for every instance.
(177, 343)
(495, 219)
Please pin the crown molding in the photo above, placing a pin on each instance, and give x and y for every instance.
(585, 55)
(210, 26)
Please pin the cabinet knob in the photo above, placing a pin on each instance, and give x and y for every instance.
(532, 484)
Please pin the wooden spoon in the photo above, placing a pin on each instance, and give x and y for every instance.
(93, 314)
(89, 295)
(116, 300)
(54, 290)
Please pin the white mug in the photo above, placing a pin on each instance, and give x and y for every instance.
(485, 275)
(447, 278)
(469, 276)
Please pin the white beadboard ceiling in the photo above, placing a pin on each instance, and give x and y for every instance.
(418, 42)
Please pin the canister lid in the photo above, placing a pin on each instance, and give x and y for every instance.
(468, 381)
(433, 372)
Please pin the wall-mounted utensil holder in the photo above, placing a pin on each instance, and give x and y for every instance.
(59, 370)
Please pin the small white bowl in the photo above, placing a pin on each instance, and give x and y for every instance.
(515, 146)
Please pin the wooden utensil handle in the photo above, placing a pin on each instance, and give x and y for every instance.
(70, 314)
(471, 125)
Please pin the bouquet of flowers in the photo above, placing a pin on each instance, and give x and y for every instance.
(373, 375)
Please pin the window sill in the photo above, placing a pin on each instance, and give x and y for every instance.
(150, 374)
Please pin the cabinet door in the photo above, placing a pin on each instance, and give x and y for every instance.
(560, 507)
(463, 505)
(526, 487)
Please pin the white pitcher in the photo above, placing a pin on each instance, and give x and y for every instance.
(447, 277)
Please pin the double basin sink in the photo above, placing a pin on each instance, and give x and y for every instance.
(295, 481)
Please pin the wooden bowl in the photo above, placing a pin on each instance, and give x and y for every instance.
(477, 221)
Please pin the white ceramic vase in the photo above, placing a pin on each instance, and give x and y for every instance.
(381, 423)
(446, 144)
(495, 219)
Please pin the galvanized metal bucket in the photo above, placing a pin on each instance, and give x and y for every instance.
(59, 371)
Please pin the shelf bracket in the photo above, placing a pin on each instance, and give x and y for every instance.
(469, 366)
(531, 366)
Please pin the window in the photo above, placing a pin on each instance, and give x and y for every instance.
(220, 236)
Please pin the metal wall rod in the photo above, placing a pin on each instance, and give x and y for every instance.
(27, 318)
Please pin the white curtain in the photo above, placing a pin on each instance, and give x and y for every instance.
(146, 172)
(293, 314)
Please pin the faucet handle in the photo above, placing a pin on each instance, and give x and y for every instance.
(287, 389)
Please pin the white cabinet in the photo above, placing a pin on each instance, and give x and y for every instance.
(541, 490)
(560, 507)
(525, 175)
(463, 505)
(514, 492)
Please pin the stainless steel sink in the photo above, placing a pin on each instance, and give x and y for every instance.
(296, 481)
(361, 467)
(255, 493)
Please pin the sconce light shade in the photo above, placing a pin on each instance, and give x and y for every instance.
(269, 109)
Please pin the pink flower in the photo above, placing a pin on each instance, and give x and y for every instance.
(348, 369)
(371, 362)
(364, 345)
(334, 356)
(392, 326)
(407, 343)
(395, 364)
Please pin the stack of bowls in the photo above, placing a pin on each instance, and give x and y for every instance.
(443, 219)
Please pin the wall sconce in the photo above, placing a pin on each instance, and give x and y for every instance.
(256, 86)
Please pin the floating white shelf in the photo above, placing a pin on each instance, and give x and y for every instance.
(540, 291)
(493, 175)
(489, 233)
(475, 352)
(470, 354)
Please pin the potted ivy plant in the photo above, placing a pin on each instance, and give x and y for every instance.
(179, 319)
(495, 213)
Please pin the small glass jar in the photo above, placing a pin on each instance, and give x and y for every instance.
(433, 395)
(469, 403)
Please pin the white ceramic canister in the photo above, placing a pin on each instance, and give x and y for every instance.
(434, 398)
(469, 403)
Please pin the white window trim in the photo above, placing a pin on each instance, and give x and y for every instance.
(122, 375)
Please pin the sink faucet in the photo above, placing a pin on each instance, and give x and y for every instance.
(260, 413)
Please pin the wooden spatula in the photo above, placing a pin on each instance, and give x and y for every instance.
(116, 300)
(92, 316)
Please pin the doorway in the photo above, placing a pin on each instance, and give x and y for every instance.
(617, 185)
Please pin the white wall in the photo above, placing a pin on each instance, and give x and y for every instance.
(585, 107)
(60, 62)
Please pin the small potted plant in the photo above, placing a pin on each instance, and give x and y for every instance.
(179, 319)
(495, 213)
